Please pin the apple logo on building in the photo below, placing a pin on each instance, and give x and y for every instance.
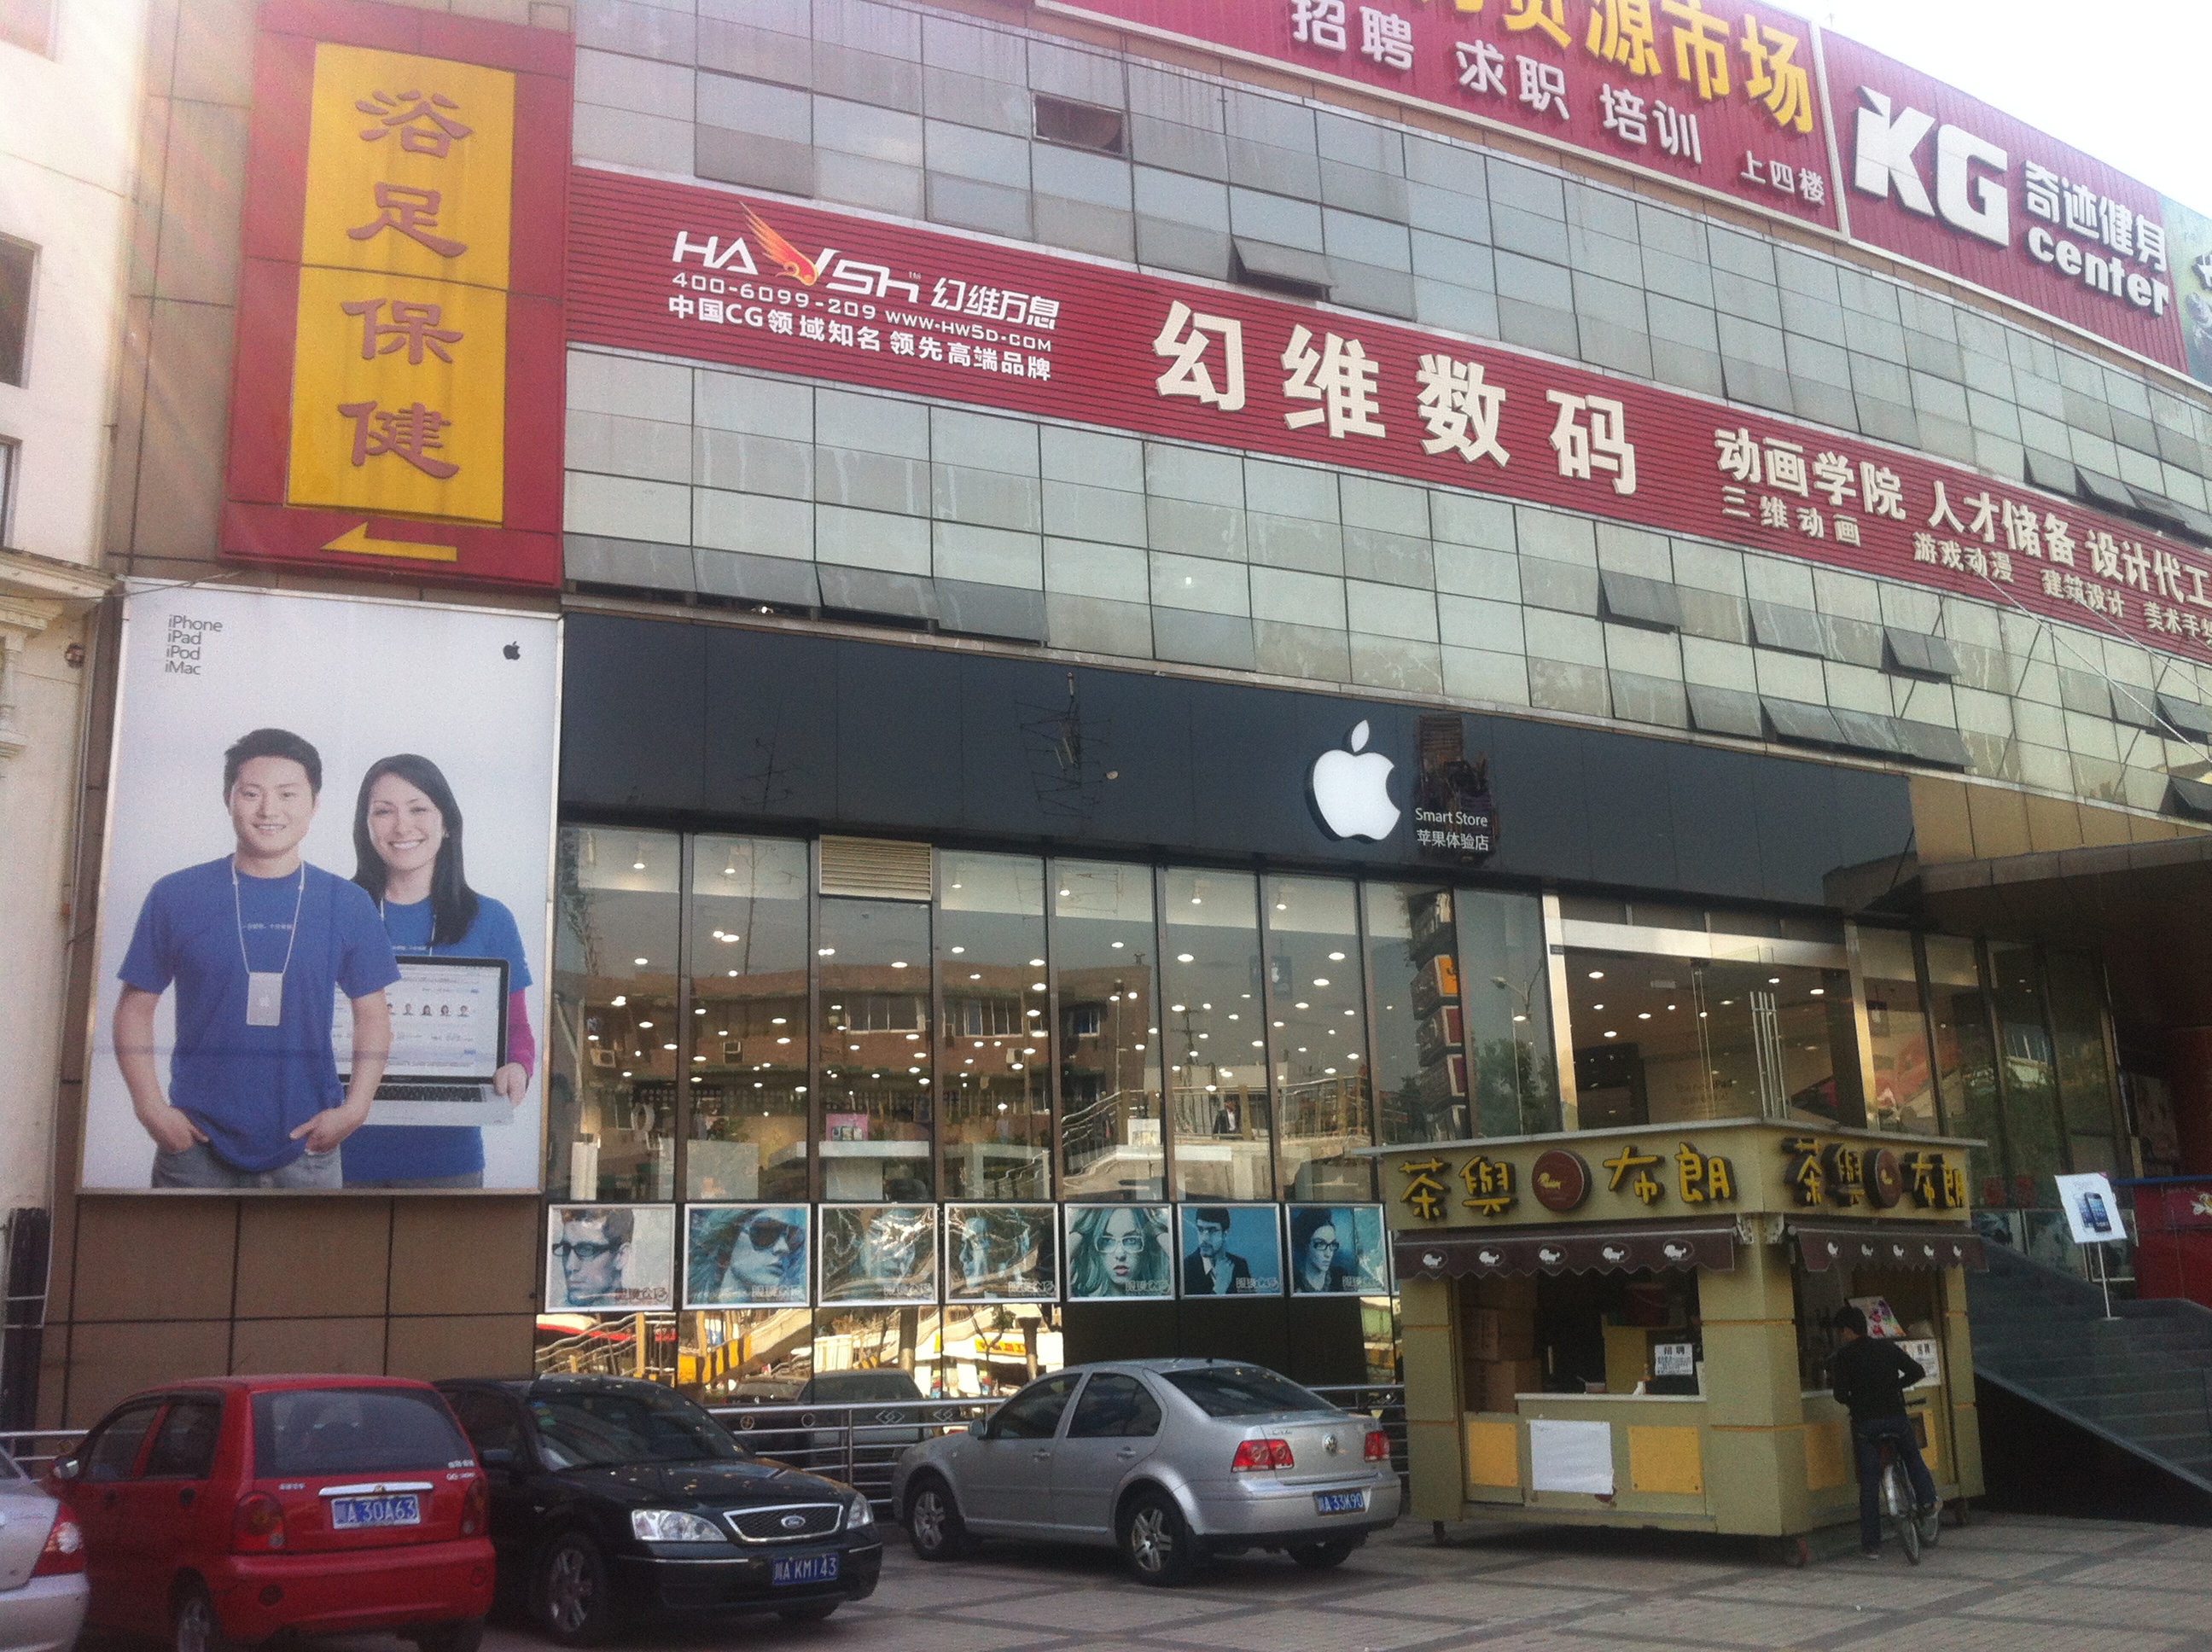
(1351, 790)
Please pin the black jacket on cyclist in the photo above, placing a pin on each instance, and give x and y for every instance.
(1868, 1375)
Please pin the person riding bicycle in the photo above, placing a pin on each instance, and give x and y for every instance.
(1868, 1375)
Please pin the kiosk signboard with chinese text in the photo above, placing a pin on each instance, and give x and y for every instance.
(397, 401)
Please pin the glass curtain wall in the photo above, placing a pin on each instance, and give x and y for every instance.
(1422, 1080)
(1506, 992)
(1904, 1066)
(1317, 1037)
(995, 1088)
(875, 1051)
(747, 1137)
(1216, 1030)
(1966, 1057)
(2027, 1070)
(2085, 1083)
(1105, 975)
(612, 1114)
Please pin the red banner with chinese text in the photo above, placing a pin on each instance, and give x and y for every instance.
(1717, 93)
(703, 273)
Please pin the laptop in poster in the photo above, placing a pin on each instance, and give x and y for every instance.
(448, 1040)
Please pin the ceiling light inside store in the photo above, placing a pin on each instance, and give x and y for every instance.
(1183, 958)
(1336, 957)
(619, 1000)
(1611, 1034)
(640, 963)
(1597, 974)
(1036, 963)
(1117, 945)
(1819, 991)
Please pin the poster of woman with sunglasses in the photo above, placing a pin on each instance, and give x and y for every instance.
(611, 1258)
(746, 1256)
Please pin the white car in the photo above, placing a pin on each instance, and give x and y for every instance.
(42, 1584)
(1170, 1461)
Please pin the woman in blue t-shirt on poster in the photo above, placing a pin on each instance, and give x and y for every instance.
(407, 845)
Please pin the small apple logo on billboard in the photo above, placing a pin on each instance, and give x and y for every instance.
(1351, 790)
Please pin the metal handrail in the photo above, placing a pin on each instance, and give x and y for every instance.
(32, 1463)
(861, 1444)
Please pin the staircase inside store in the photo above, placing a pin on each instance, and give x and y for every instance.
(2069, 1396)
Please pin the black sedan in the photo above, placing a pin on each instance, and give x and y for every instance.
(615, 1499)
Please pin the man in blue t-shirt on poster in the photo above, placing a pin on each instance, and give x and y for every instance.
(256, 944)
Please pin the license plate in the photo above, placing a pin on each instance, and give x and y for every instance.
(1339, 1502)
(352, 1514)
(805, 1568)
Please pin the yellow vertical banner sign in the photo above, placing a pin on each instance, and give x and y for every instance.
(399, 367)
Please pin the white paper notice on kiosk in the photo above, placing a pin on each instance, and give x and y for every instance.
(1571, 1457)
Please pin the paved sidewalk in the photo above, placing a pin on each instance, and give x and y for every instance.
(2004, 1584)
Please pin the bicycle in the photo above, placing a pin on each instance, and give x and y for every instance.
(1901, 1507)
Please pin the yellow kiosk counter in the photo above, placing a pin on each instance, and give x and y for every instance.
(1630, 1327)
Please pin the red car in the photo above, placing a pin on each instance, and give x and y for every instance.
(219, 1512)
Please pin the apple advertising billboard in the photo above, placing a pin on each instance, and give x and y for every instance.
(325, 912)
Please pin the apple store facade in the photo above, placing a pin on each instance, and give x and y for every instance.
(859, 933)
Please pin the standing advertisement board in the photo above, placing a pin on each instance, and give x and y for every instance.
(330, 835)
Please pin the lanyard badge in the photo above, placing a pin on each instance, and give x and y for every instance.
(264, 988)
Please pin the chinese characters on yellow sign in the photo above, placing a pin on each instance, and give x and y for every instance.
(1493, 1184)
(399, 372)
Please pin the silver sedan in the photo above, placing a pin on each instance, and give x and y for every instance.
(42, 1585)
(1170, 1461)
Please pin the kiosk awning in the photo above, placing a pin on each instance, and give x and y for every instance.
(1584, 1247)
(1824, 1245)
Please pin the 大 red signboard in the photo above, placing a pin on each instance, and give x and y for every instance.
(705, 273)
(1717, 93)
(1947, 181)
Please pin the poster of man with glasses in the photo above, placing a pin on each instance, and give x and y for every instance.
(611, 1258)
(746, 1256)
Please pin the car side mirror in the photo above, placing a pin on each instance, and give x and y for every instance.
(497, 1457)
(980, 1428)
(65, 1468)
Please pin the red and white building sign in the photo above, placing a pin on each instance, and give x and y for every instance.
(1721, 94)
(1949, 182)
(698, 273)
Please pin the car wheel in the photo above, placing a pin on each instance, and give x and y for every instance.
(570, 1599)
(933, 1525)
(462, 1635)
(196, 1629)
(1156, 1541)
(812, 1613)
(1319, 1556)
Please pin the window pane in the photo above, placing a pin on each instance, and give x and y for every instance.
(1903, 1071)
(991, 1349)
(1966, 1062)
(748, 1138)
(610, 1135)
(1420, 1055)
(876, 1049)
(1508, 989)
(2028, 1074)
(1216, 1035)
(748, 1356)
(1319, 1038)
(1102, 946)
(996, 1063)
(16, 261)
(1670, 1040)
(2077, 1025)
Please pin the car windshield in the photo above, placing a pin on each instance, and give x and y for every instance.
(312, 1431)
(861, 1387)
(1243, 1391)
(582, 1428)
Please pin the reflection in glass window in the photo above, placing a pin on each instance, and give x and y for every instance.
(1103, 943)
(1215, 1028)
(873, 1027)
(996, 1092)
(2085, 1085)
(747, 1356)
(1421, 1074)
(611, 1098)
(1903, 1069)
(1667, 1040)
(1318, 1040)
(1965, 1059)
(1506, 974)
(2028, 1073)
(747, 1078)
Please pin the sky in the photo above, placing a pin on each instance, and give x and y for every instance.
(2128, 83)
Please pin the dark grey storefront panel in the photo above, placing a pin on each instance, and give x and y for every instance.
(696, 722)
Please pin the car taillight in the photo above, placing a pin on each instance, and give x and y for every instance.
(1255, 1455)
(476, 1508)
(64, 1549)
(258, 1523)
(1378, 1445)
